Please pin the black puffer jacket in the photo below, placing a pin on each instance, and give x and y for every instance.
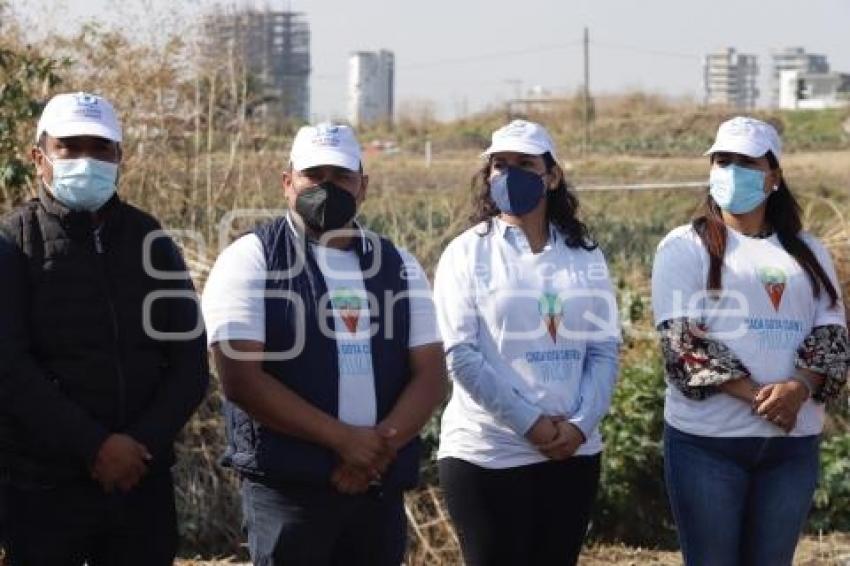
(76, 361)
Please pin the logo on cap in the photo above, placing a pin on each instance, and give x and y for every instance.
(517, 128)
(327, 136)
(741, 128)
(87, 106)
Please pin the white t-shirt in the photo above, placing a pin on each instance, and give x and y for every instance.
(234, 309)
(766, 310)
(530, 316)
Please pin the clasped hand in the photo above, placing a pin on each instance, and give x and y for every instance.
(555, 437)
(364, 454)
(779, 403)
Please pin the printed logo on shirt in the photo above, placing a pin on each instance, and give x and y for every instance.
(776, 334)
(355, 360)
(347, 305)
(774, 280)
(551, 310)
(553, 366)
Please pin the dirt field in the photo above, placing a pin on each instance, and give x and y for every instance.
(829, 550)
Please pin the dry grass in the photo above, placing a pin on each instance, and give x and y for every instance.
(830, 550)
(433, 539)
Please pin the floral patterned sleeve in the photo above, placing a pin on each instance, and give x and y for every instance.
(826, 351)
(694, 364)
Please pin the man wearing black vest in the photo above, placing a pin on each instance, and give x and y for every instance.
(325, 338)
(103, 356)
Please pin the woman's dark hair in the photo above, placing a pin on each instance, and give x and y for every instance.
(561, 206)
(783, 216)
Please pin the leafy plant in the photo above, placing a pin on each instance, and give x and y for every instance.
(25, 78)
(832, 499)
(632, 504)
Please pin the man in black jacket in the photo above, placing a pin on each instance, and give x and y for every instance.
(103, 356)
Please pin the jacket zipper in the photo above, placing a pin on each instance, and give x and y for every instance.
(116, 342)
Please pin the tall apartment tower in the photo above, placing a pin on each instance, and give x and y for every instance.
(793, 59)
(274, 47)
(731, 79)
(371, 87)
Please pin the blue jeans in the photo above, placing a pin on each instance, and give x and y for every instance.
(305, 525)
(739, 501)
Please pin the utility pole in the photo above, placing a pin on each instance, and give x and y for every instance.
(586, 91)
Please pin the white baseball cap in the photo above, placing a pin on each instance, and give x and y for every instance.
(325, 144)
(79, 114)
(747, 136)
(521, 136)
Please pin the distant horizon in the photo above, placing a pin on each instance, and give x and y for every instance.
(465, 59)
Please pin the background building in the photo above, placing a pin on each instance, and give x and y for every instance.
(804, 90)
(275, 49)
(371, 87)
(793, 59)
(731, 79)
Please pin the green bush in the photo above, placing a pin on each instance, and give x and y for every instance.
(632, 504)
(831, 510)
(25, 77)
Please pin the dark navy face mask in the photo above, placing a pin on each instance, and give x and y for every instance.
(517, 191)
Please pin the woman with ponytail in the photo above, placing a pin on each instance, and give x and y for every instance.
(754, 339)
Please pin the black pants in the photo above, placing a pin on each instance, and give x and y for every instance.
(2, 518)
(295, 525)
(530, 515)
(77, 524)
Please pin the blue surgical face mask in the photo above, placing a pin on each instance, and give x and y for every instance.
(517, 191)
(737, 189)
(84, 183)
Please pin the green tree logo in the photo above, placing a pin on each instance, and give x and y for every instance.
(551, 308)
(774, 280)
(347, 304)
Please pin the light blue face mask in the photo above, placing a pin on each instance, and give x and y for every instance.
(736, 189)
(84, 183)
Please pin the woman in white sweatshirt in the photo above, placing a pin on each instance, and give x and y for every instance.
(529, 323)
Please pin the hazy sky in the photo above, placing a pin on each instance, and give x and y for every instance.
(466, 55)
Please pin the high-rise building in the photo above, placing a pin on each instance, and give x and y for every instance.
(793, 59)
(275, 49)
(731, 79)
(371, 87)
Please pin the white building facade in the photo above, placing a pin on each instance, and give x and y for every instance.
(371, 87)
(793, 59)
(731, 79)
(813, 91)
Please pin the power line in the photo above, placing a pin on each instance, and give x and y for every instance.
(529, 51)
(470, 58)
(638, 49)
(492, 55)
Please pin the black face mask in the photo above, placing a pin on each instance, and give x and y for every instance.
(326, 206)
